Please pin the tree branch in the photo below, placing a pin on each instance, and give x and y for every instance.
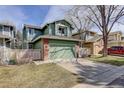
(119, 15)
(95, 16)
(96, 24)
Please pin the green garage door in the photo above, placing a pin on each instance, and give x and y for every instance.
(61, 49)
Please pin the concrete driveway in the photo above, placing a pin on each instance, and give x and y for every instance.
(95, 74)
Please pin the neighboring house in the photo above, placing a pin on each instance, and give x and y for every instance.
(115, 36)
(30, 32)
(95, 44)
(115, 39)
(92, 41)
(84, 35)
(54, 40)
(7, 35)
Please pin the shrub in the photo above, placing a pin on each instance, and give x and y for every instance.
(12, 62)
(13, 59)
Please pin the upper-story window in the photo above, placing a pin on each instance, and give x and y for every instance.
(6, 28)
(62, 30)
(11, 28)
(31, 31)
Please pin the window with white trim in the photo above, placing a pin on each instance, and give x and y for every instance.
(62, 30)
(31, 31)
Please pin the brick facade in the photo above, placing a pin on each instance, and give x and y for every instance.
(45, 49)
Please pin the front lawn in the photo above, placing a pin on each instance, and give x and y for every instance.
(31, 75)
(114, 60)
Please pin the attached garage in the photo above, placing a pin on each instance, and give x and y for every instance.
(59, 49)
(53, 47)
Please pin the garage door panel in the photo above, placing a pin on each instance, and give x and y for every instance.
(61, 49)
(61, 52)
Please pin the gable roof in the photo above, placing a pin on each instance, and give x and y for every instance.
(45, 24)
(32, 26)
(95, 38)
(116, 32)
(56, 37)
(83, 32)
(7, 24)
(113, 33)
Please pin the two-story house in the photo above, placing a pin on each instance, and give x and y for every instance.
(84, 35)
(54, 40)
(30, 32)
(94, 41)
(7, 35)
(115, 36)
(115, 39)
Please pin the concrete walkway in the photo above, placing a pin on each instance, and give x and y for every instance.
(95, 74)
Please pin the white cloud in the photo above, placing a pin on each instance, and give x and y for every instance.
(56, 12)
(13, 14)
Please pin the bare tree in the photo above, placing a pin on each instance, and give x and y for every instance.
(105, 17)
(19, 39)
(77, 17)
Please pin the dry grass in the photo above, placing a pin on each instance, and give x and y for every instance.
(113, 60)
(31, 75)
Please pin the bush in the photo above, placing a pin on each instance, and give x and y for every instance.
(13, 59)
(12, 62)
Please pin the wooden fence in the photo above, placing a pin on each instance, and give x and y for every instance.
(19, 54)
(34, 54)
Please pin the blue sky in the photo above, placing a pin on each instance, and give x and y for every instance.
(24, 14)
(28, 14)
(36, 15)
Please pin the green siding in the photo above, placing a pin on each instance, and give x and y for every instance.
(29, 37)
(24, 34)
(38, 44)
(53, 28)
(46, 31)
(61, 49)
(59, 42)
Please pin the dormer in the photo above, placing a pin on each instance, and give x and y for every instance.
(58, 28)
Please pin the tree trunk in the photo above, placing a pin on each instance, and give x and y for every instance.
(80, 38)
(105, 41)
(105, 29)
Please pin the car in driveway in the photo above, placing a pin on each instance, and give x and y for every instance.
(116, 50)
